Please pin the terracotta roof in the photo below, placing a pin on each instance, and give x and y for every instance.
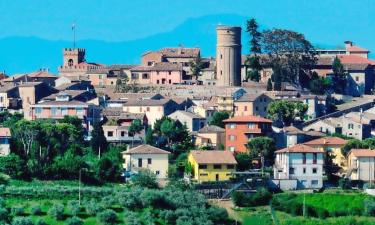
(327, 141)
(213, 157)
(42, 74)
(180, 52)
(293, 130)
(362, 152)
(248, 119)
(187, 114)
(355, 48)
(249, 97)
(299, 148)
(165, 66)
(145, 149)
(61, 103)
(211, 129)
(147, 102)
(5, 132)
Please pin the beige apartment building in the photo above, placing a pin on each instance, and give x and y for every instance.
(361, 164)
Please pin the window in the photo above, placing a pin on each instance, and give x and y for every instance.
(53, 111)
(150, 63)
(265, 109)
(291, 170)
(203, 174)
(1, 99)
(203, 166)
(170, 81)
(230, 167)
(245, 109)
(221, 72)
(79, 111)
(38, 110)
(70, 62)
(350, 126)
(221, 56)
(100, 77)
(135, 76)
(122, 133)
(304, 158)
(256, 108)
(157, 81)
(149, 161)
(314, 183)
(157, 172)
(64, 111)
(315, 158)
(145, 76)
(232, 125)
(110, 133)
(251, 125)
(217, 166)
(140, 162)
(148, 109)
(304, 170)
(169, 73)
(357, 79)
(232, 137)
(232, 148)
(314, 170)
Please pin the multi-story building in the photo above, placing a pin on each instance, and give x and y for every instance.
(210, 136)
(301, 163)
(146, 157)
(5, 136)
(108, 75)
(74, 62)
(192, 121)
(240, 129)
(212, 165)
(332, 146)
(252, 105)
(361, 165)
(154, 109)
(157, 74)
(357, 127)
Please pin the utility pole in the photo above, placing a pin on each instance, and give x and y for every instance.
(304, 204)
(79, 187)
(99, 152)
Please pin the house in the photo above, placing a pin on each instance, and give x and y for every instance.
(5, 136)
(154, 109)
(211, 136)
(192, 121)
(291, 135)
(357, 127)
(162, 73)
(225, 100)
(240, 129)
(108, 75)
(329, 125)
(302, 163)
(332, 146)
(146, 157)
(212, 165)
(79, 82)
(9, 97)
(252, 105)
(361, 164)
(117, 123)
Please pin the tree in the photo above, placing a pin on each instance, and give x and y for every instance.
(243, 161)
(352, 144)
(253, 60)
(196, 66)
(289, 53)
(286, 112)
(262, 147)
(339, 76)
(218, 117)
(269, 85)
(320, 85)
(98, 141)
(135, 128)
(107, 217)
(13, 166)
(145, 178)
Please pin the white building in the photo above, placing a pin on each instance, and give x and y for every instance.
(146, 157)
(301, 163)
(361, 163)
(4, 141)
(193, 122)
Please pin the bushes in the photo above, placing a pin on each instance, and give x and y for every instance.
(369, 207)
(74, 207)
(74, 221)
(145, 179)
(4, 215)
(57, 211)
(36, 210)
(92, 207)
(261, 197)
(22, 221)
(107, 217)
(344, 183)
(17, 210)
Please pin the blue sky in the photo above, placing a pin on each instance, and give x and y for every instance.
(118, 20)
(119, 31)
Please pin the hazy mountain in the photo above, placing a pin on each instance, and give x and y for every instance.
(25, 54)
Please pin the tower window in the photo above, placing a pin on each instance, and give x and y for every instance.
(221, 56)
(70, 62)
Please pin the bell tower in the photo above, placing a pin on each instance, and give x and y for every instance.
(73, 56)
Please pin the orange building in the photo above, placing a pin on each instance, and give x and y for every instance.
(240, 129)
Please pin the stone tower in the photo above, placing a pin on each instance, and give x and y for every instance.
(228, 56)
(73, 56)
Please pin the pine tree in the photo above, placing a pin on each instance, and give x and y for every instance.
(98, 140)
(253, 61)
(269, 85)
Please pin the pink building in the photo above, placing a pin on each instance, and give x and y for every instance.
(158, 74)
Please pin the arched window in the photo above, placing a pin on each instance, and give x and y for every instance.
(70, 62)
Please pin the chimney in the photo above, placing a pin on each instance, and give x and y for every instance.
(348, 44)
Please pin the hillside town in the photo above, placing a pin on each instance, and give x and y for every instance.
(285, 116)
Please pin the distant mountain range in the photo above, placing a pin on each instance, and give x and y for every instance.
(26, 54)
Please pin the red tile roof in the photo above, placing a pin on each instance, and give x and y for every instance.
(4, 132)
(145, 149)
(300, 148)
(327, 141)
(354, 59)
(363, 152)
(355, 48)
(213, 157)
(248, 119)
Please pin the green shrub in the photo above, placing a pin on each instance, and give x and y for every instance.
(57, 211)
(74, 221)
(344, 183)
(369, 207)
(132, 218)
(17, 210)
(40, 222)
(22, 221)
(107, 217)
(145, 179)
(2, 202)
(4, 179)
(92, 207)
(4, 215)
(36, 210)
(109, 201)
(74, 207)
(261, 197)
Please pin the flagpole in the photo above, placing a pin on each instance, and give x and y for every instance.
(74, 34)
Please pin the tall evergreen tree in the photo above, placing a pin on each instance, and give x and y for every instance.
(253, 60)
(98, 140)
(269, 85)
(339, 76)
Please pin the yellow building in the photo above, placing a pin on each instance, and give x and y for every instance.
(212, 165)
(333, 146)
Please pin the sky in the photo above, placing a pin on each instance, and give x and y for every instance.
(119, 31)
(121, 20)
